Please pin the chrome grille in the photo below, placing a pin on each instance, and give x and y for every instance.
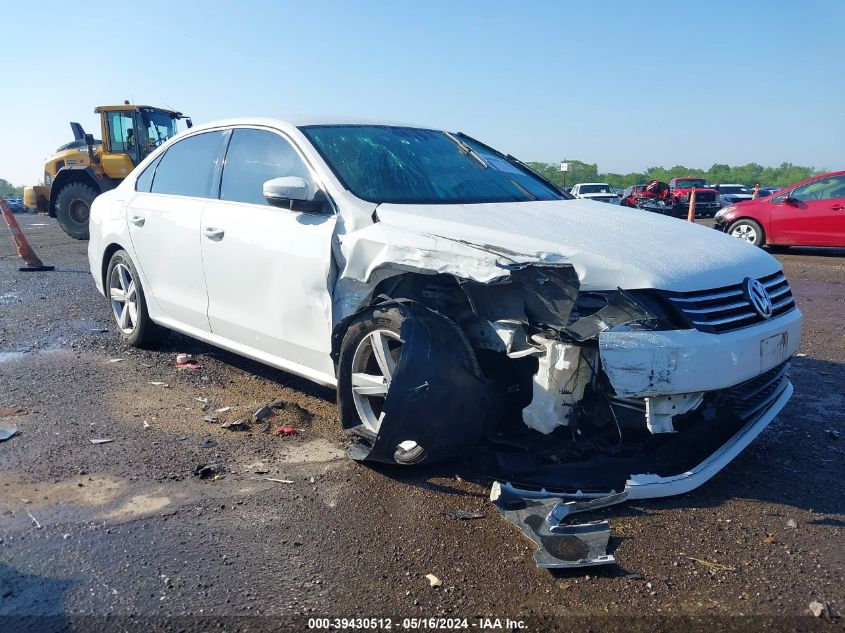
(726, 309)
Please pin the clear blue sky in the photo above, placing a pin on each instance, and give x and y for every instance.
(734, 82)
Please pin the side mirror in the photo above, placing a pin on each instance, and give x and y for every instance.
(294, 193)
(189, 123)
(787, 199)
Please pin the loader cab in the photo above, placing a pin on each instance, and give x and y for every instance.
(131, 133)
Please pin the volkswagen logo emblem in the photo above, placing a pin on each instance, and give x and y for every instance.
(759, 298)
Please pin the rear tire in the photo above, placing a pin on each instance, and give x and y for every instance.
(73, 209)
(748, 231)
(129, 305)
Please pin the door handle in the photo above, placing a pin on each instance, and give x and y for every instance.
(838, 207)
(137, 220)
(213, 233)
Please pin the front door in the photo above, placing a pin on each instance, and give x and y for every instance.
(816, 218)
(267, 269)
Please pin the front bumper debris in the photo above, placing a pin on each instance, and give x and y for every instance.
(560, 546)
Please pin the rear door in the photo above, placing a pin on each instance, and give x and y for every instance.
(164, 225)
(267, 269)
(817, 218)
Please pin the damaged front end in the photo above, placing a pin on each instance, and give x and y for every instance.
(568, 392)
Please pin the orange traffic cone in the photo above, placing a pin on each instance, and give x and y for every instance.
(33, 264)
(691, 211)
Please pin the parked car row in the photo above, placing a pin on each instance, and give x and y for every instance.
(810, 213)
(15, 204)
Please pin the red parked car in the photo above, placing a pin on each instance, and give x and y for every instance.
(810, 213)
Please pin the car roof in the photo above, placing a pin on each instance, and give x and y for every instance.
(291, 122)
(591, 183)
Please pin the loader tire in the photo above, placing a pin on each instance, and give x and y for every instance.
(73, 209)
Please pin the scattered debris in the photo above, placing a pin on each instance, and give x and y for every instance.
(792, 523)
(99, 330)
(209, 443)
(209, 418)
(262, 413)
(146, 424)
(236, 425)
(222, 409)
(7, 432)
(183, 361)
(266, 427)
(285, 430)
(433, 580)
(462, 515)
(203, 400)
(209, 471)
(158, 383)
(560, 546)
(817, 608)
(278, 404)
(34, 520)
(101, 440)
(116, 360)
(279, 481)
(711, 565)
(8, 412)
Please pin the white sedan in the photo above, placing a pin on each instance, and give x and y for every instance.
(456, 299)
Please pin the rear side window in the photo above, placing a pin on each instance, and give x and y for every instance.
(187, 168)
(145, 180)
(254, 157)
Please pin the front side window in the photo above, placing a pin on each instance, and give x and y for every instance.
(407, 165)
(188, 166)
(122, 132)
(155, 128)
(253, 158)
(821, 189)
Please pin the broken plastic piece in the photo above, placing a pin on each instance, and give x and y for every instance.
(660, 410)
(463, 515)
(620, 310)
(262, 413)
(285, 430)
(6, 412)
(104, 440)
(7, 432)
(559, 546)
(433, 580)
(436, 405)
(236, 425)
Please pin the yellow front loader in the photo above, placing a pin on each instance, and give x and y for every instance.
(81, 170)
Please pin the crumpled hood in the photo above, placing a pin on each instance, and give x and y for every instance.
(609, 246)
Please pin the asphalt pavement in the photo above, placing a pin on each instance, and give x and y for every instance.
(121, 535)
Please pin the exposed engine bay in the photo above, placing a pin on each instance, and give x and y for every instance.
(539, 404)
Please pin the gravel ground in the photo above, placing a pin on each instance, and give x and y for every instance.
(122, 536)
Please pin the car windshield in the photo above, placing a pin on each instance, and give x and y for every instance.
(594, 189)
(732, 189)
(686, 183)
(407, 165)
(156, 128)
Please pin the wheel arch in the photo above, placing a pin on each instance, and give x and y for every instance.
(108, 253)
(81, 174)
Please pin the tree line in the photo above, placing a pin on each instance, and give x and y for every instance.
(749, 175)
(8, 190)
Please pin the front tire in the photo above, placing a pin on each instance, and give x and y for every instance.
(748, 231)
(73, 209)
(128, 304)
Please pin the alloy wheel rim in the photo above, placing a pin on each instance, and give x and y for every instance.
(123, 293)
(745, 233)
(373, 368)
